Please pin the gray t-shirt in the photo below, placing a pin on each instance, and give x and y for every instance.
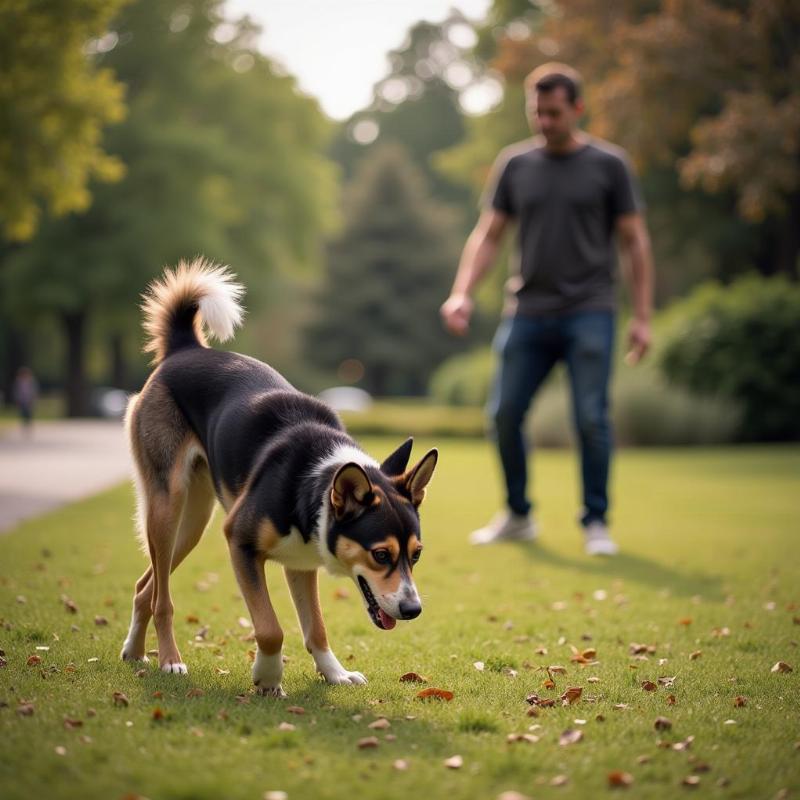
(565, 207)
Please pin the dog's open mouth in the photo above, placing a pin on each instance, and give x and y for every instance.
(376, 613)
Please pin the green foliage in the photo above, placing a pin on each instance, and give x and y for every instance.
(54, 103)
(387, 275)
(740, 342)
(464, 379)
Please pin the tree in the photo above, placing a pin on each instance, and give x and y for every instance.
(222, 158)
(387, 275)
(54, 104)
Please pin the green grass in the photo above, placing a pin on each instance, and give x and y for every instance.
(707, 535)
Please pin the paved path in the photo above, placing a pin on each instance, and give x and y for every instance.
(60, 463)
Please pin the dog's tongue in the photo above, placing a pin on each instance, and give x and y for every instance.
(387, 621)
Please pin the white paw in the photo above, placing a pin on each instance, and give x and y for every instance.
(344, 677)
(175, 667)
(271, 691)
(267, 674)
(331, 669)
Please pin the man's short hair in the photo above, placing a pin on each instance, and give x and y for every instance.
(553, 75)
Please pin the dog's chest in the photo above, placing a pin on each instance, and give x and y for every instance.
(293, 552)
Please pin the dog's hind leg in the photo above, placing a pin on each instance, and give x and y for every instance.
(305, 594)
(196, 513)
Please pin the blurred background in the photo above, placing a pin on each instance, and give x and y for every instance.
(334, 154)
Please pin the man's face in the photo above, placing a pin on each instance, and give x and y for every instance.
(552, 114)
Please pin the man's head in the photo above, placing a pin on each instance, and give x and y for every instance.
(553, 102)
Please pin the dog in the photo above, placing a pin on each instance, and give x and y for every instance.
(296, 488)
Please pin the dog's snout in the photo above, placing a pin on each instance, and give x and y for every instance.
(410, 609)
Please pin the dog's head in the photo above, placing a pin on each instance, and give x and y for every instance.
(374, 533)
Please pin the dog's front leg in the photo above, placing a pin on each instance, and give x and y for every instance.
(268, 666)
(305, 593)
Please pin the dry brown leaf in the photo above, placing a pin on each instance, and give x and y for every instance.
(549, 683)
(662, 724)
(221, 671)
(532, 712)
(413, 677)
(72, 724)
(739, 701)
(691, 781)
(287, 726)
(69, 605)
(400, 764)
(570, 737)
(684, 745)
(686, 621)
(571, 695)
(557, 669)
(296, 710)
(781, 666)
(671, 700)
(194, 693)
(636, 649)
(25, 709)
(157, 695)
(643, 759)
(438, 694)
(120, 699)
(666, 680)
(593, 679)
(34, 661)
(695, 655)
(619, 780)
(380, 724)
(521, 737)
(158, 714)
(649, 686)
(620, 707)
(98, 620)
(454, 762)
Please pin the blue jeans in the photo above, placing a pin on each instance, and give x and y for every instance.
(528, 348)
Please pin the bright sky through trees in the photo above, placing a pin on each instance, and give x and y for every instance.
(337, 50)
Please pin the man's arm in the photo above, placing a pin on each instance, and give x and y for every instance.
(477, 259)
(635, 245)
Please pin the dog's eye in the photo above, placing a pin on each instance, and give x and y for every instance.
(382, 556)
(415, 555)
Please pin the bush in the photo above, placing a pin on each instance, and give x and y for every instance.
(741, 343)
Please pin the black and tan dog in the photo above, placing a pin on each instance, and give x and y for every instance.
(295, 487)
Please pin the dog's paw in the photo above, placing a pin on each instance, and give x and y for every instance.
(267, 673)
(343, 677)
(130, 654)
(175, 667)
(271, 691)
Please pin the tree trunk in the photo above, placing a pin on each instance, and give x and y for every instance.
(16, 355)
(788, 249)
(118, 372)
(76, 386)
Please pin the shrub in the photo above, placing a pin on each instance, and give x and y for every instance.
(741, 343)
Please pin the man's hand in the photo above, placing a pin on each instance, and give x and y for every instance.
(639, 338)
(456, 312)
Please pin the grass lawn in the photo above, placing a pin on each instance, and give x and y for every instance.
(708, 581)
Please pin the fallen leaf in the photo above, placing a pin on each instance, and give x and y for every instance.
(685, 621)
(643, 759)
(438, 694)
(522, 737)
(593, 679)
(571, 695)
(540, 651)
(781, 666)
(671, 700)
(158, 714)
(618, 779)
(120, 699)
(69, 605)
(684, 745)
(72, 724)
(479, 665)
(691, 781)
(34, 661)
(25, 709)
(296, 710)
(559, 780)
(662, 724)
(549, 683)
(739, 701)
(286, 726)
(454, 762)
(649, 686)
(98, 620)
(412, 677)
(666, 680)
(570, 737)
(380, 724)
(620, 706)
(719, 633)
(221, 671)
(636, 649)
(695, 655)
(194, 693)
(157, 695)
(401, 765)
(557, 669)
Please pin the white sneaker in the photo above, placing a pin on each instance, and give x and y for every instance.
(597, 540)
(505, 527)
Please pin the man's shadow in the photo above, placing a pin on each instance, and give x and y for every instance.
(634, 568)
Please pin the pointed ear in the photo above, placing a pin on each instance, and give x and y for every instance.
(351, 491)
(418, 478)
(396, 463)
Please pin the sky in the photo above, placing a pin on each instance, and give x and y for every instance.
(337, 48)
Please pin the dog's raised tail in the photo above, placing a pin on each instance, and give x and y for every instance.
(193, 299)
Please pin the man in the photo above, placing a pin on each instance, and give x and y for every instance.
(572, 198)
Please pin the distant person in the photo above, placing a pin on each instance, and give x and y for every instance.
(572, 198)
(25, 392)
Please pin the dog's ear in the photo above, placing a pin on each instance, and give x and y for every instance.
(351, 491)
(418, 478)
(396, 463)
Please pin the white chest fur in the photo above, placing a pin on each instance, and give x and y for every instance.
(293, 552)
